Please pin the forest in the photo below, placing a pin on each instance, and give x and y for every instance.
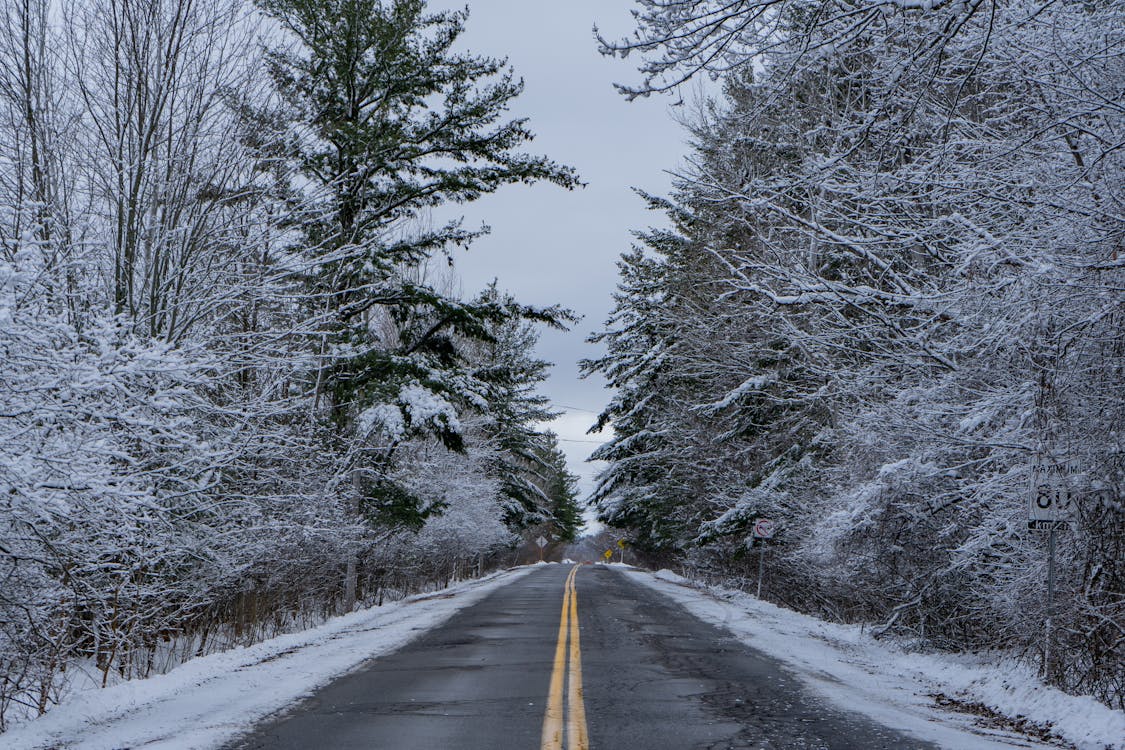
(888, 283)
(241, 391)
(238, 389)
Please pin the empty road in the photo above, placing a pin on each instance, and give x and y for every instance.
(570, 658)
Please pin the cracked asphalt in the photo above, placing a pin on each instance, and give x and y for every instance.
(653, 677)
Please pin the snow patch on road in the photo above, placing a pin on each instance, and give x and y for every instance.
(895, 687)
(210, 700)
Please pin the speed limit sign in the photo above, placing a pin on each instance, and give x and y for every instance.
(1049, 501)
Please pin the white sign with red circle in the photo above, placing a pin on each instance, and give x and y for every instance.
(763, 528)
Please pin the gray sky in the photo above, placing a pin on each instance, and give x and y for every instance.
(548, 245)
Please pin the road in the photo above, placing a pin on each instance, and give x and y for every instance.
(570, 658)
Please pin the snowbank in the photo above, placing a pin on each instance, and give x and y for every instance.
(208, 701)
(901, 689)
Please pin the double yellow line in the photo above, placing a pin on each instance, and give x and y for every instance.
(565, 667)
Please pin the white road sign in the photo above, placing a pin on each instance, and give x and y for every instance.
(763, 528)
(1048, 498)
(541, 542)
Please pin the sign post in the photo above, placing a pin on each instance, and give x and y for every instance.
(763, 529)
(1049, 505)
(621, 546)
(542, 543)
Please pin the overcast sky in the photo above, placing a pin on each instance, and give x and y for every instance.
(548, 245)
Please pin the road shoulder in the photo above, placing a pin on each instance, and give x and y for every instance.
(895, 687)
(208, 701)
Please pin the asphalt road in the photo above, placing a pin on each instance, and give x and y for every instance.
(513, 672)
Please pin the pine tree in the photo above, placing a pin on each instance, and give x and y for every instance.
(507, 366)
(638, 491)
(386, 121)
(561, 489)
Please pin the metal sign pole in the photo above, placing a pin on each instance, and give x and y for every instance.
(761, 566)
(1050, 505)
(1050, 604)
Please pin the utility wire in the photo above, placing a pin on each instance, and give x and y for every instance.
(577, 408)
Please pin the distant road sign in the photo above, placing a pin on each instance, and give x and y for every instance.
(608, 554)
(621, 543)
(541, 542)
(763, 528)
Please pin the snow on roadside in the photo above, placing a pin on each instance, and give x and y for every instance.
(208, 701)
(896, 687)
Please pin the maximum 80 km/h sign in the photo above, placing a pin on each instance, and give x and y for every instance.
(1049, 500)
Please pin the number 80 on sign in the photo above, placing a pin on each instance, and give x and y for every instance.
(1049, 499)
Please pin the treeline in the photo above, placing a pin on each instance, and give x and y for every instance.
(894, 282)
(237, 389)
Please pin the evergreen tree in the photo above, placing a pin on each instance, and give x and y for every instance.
(560, 487)
(386, 121)
(632, 493)
(506, 364)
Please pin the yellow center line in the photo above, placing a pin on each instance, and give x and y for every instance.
(576, 738)
(553, 719)
(576, 723)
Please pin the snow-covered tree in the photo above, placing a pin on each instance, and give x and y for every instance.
(229, 383)
(561, 489)
(899, 228)
(386, 121)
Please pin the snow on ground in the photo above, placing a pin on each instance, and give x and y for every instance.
(208, 701)
(895, 687)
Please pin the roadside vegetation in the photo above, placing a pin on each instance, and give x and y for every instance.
(892, 283)
(238, 390)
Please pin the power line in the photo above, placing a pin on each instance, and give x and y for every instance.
(577, 408)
